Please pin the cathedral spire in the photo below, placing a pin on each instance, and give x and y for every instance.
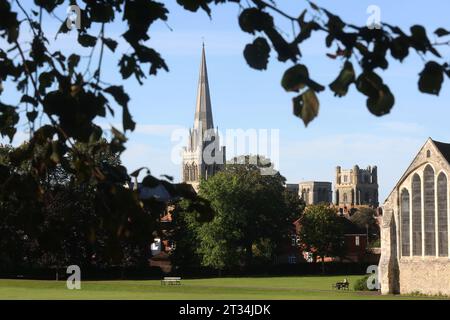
(203, 113)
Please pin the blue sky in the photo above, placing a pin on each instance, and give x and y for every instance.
(345, 133)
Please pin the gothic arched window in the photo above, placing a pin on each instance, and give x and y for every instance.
(194, 172)
(186, 173)
(189, 173)
(429, 211)
(442, 204)
(416, 193)
(405, 222)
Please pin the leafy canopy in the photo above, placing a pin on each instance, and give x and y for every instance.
(61, 97)
(322, 231)
(252, 213)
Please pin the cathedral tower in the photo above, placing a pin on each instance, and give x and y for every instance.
(356, 186)
(203, 156)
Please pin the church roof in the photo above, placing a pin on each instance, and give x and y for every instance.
(203, 112)
(444, 149)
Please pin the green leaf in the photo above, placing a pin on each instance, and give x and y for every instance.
(45, 81)
(194, 5)
(314, 6)
(122, 99)
(110, 43)
(297, 77)
(286, 51)
(87, 40)
(419, 38)
(306, 28)
(335, 24)
(368, 83)
(27, 99)
(49, 5)
(400, 48)
(380, 100)
(72, 62)
(118, 94)
(117, 143)
(118, 135)
(344, 80)
(253, 19)
(257, 54)
(431, 78)
(8, 119)
(32, 115)
(382, 103)
(306, 106)
(441, 32)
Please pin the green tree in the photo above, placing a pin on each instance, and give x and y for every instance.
(69, 92)
(365, 219)
(252, 213)
(71, 222)
(322, 232)
(187, 217)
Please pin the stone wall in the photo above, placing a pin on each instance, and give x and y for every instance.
(425, 275)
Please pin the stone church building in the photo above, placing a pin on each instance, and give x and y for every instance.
(203, 156)
(356, 187)
(315, 192)
(415, 246)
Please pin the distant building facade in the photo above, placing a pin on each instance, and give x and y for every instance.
(415, 246)
(203, 156)
(354, 250)
(315, 192)
(356, 186)
(292, 187)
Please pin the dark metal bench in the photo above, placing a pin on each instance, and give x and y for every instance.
(341, 285)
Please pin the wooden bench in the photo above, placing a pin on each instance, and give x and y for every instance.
(341, 285)
(171, 281)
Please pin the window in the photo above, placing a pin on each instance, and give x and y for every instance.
(186, 173)
(345, 179)
(416, 190)
(195, 172)
(345, 198)
(428, 153)
(306, 198)
(405, 223)
(429, 211)
(442, 215)
(357, 241)
(292, 259)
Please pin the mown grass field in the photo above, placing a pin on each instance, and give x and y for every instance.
(308, 287)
